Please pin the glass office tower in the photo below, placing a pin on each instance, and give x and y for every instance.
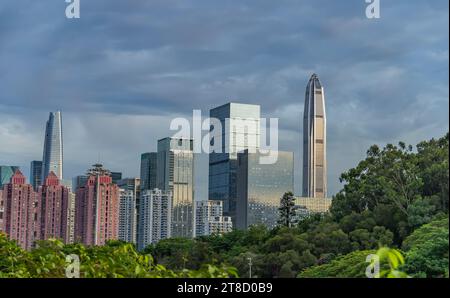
(176, 175)
(314, 141)
(36, 173)
(6, 172)
(148, 170)
(260, 188)
(52, 159)
(241, 131)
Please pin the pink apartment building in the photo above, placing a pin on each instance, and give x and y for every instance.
(53, 199)
(21, 214)
(97, 208)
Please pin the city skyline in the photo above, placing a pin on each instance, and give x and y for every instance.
(377, 93)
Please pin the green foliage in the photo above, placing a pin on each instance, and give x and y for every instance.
(427, 250)
(350, 265)
(394, 259)
(114, 260)
(286, 209)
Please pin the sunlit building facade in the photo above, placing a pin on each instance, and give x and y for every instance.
(260, 188)
(176, 175)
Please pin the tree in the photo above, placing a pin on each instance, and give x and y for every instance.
(286, 209)
(427, 250)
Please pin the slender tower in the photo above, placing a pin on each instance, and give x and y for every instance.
(314, 141)
(52, 158)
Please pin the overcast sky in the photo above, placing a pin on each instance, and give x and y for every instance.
(123, 70)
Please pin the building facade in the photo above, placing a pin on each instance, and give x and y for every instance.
(6, 172)
(97, 208)
(148, 170)
(209, 219)
(52, 158)
(2, 209)
(70, 232)
(261, 187)
(54, 204)
(176, 175)
(314, 141)
(21, 214)
(155, 220)
(116, 176)
(36, 173)
(240, 130)
(305, 207)
(79, 181)
(127, 216)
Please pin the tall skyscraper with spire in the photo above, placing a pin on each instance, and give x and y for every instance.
(314, 141)
(52, 159)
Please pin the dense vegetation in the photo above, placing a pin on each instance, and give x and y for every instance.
(397, 197)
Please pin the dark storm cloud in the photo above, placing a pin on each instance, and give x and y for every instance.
(133, 62)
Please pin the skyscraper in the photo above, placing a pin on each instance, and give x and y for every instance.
(314, 141)
(36, 173)
(133, 185)
(97, 208)
(176, 175)
(148, 170)
(240, 130)
(155, 219)
(6, 172)
(52, 159)
(260, 188)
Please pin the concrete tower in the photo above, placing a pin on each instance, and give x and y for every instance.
(314, 141)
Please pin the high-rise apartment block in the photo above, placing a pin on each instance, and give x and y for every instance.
(97, 208)
(127, 216)
(53, 199)
(155, 217)
(21, 214)
(209, 219)
(176, 175)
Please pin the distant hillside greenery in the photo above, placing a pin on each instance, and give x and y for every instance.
(397, 197)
